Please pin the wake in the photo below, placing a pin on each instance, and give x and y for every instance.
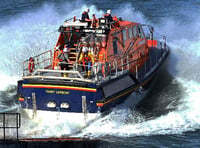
(35, 32)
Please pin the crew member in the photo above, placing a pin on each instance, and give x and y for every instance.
(85, 17)
(64, 59)
(87, 59)
(108, 16)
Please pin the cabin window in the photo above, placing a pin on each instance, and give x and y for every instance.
(135, 31)
(66, 37)
(130, 33)
(124, 35)
(140, 31)
(115, 47)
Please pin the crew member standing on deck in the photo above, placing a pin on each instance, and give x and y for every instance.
(64, 59)
(108, 16)
(87, 60)
(85, 16)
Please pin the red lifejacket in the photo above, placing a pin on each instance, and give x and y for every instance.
(107, 14)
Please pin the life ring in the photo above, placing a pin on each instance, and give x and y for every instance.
(31, 65)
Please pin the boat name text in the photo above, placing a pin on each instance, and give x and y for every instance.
(60, 92)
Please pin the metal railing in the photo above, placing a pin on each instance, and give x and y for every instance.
(8, 123)
(99, 71)
(41, 61)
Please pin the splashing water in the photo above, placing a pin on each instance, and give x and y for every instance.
(35, 32)
(129, 123)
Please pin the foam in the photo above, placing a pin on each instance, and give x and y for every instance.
(35, 32)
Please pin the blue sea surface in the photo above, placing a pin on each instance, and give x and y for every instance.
(169, 116)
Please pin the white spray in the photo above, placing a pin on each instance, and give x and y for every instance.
(37, 31)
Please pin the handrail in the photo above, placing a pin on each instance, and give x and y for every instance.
(38, 74)
(58, 71)
(38, 61)
(131, 45)
(100, 69)
(59, 78)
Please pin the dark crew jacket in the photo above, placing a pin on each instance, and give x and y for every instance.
(109, 17)
(64, 57)
(84, 16)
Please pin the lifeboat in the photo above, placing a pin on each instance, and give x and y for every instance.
(106, 62)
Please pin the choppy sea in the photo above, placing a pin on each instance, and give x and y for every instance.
(169, 116)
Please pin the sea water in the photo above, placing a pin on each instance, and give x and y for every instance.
(169, 116)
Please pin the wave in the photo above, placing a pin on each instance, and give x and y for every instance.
(130, 123)
(36, 31)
